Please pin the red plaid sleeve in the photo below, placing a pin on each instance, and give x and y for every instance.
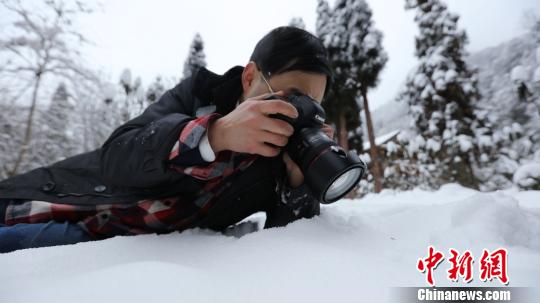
(186, 151)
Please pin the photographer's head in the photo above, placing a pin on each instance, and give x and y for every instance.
(294, 62)
(288, 59)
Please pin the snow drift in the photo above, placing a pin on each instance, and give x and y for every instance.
(356, 250)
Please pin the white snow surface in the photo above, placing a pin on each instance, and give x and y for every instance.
(355, 251)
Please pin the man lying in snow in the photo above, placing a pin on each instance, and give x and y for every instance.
(199, 157)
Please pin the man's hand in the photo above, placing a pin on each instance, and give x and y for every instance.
(296, 178)
(248, 129)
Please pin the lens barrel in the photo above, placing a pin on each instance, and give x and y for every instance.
(329, 171)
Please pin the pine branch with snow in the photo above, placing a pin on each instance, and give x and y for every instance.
(298, 22)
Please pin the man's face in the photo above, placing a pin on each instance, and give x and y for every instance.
(310, 84)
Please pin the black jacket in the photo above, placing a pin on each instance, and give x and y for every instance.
(132, 163)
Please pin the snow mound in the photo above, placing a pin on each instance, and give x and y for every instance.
(495, 218)
(354, 249)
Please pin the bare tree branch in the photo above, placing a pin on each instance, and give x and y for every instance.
(44, 43)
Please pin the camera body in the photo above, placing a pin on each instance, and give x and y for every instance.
(310, 112)
(307, 126)
(328, 170)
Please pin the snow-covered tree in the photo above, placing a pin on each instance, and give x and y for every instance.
(323, 19)
(514, 115)
(133, 95)
(40, 40)
(127, 86)
(11, 135)
(341, 107)
(536, 80)
(449, 136)
(520, 78)
(155, 90)
(356, 53)
(532, 21)
(297, 22)
(126, 80)
(528, 176)
(139, 97)
(370, 59)
(105, 114)
(196, 57)
(57, 137)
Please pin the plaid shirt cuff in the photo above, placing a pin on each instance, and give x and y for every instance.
(207, 153)
(187, 156)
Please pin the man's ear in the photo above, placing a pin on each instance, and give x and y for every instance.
(248, 76)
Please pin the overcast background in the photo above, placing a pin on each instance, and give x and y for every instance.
(152, 37)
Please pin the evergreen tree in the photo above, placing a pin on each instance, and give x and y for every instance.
(356, 53)
(449, 135)
(155, 90)
(297, 22)
(40, 41)
(196, 57)
(369, 58)
(134, 96)
(56, 141)
(128, 88)
(139, 97)
(11, 135)
(534, 26)
(341, 106)
(323, 19)
(107, 114)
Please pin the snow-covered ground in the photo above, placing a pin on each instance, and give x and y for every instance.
(355, 251)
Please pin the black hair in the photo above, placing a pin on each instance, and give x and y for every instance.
(289, 48)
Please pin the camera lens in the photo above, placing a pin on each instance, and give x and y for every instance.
(329, 171)
(343, 184)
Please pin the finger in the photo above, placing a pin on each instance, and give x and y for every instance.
(286, 157)
(289, 164)
(328, 130)
(277, 140)
(329, 133)
(278, 107)
(266, 150)
(276, 126)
